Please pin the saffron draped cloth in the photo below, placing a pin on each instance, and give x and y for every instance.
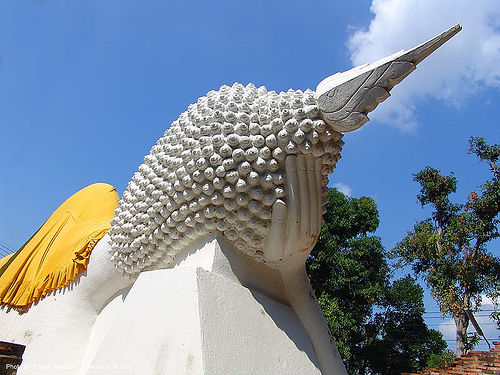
(59, 251)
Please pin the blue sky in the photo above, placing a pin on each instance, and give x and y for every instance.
(86, 88)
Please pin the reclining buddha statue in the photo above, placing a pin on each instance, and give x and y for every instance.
(199, 268)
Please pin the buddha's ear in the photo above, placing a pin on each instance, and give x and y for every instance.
(346, 98)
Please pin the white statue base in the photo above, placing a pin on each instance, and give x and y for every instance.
(56, 330)
(198, 318)
(217, 311)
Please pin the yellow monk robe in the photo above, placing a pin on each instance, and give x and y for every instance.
(59, 251)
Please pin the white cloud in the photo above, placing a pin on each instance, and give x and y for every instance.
(459, 69)
(343, 188)
(487, 302)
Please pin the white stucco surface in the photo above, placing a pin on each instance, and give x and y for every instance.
(197, 318)
(56, 330)
(157, 329)
(218, 311)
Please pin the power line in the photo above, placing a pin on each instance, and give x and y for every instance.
(10, 248)
(425, 340)
(452, 324)
(439, 317)
(438, 312)
(5, 251)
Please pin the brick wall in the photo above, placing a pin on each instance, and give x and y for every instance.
(475, 362)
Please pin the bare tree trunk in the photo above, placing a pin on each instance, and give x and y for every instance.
(462, 323)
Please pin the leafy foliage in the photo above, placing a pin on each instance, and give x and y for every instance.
(377, 326)
(440, 360)
(496, 316)
(400, 340)
(347, 268)
(448, 249)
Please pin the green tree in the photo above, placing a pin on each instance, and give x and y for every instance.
(398, 340)
(366, 313)
(449, 250)
(441, 360)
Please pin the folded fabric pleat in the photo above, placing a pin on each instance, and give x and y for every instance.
(60, 250)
